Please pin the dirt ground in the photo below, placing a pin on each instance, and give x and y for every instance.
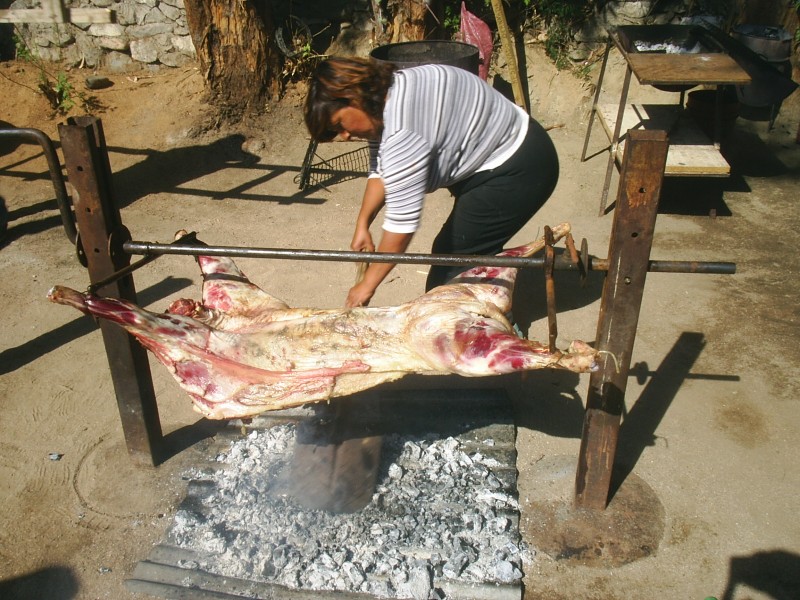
(708, 446)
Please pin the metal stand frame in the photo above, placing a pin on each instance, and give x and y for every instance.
(612, 150)
(107, 246)
(35, 136)
(631, 239)
(101, 235)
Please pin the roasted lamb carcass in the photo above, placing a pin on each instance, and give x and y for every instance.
(241, 351)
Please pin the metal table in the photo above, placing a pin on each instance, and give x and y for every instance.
(668, 71)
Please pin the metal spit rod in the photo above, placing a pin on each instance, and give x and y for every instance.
(562, 262)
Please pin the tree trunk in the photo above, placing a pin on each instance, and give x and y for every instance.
(232, 39)
(414, 20)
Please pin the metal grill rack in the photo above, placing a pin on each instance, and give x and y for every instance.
(327, 171)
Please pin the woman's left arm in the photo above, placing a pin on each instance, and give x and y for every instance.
(361, 293)
(371, 204)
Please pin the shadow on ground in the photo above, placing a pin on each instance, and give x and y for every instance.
(174, 172)
(774, 572)
(54, 583)
(14, 358)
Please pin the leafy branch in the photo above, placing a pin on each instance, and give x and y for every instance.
(56, 88)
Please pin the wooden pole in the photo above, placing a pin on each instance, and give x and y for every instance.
(509, 49)
(628, 258)
(101, 236)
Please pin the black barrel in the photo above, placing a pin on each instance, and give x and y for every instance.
(437, 52)
(773, 45)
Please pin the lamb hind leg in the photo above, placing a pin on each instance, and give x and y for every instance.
(481, 351)
(495, 285)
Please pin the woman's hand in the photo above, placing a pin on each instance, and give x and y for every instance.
(362, 240)
(359, 295)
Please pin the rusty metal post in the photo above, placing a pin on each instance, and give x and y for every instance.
(550, 288)
(101, 235)
(629, 255)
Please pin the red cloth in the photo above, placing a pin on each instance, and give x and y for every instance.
(476, 32)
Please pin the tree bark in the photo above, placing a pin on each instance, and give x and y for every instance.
(414, 20)
(232, 39)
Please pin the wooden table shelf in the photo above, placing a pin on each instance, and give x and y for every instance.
(691, 151)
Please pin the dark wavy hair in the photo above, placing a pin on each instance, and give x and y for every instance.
(340, 82)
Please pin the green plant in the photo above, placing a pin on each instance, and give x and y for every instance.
(57, 88)
(21, 49)
(59, 91)
(560, 20)
(64, 91)
(301, 65)
(797, 31)
(451, 21)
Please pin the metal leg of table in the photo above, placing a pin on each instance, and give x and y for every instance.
(615, 140)
(595, 102)
(305, 169)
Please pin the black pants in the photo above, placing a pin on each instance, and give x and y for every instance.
(491, 206)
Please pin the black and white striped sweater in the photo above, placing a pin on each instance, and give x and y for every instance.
(441, 125)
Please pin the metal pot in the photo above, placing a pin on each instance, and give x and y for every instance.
(414, 54)
(773, 44)
(764, 54)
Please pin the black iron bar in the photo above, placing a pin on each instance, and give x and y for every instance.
(562, 261)
(550, 287)
(135, 247)
(56, 176)
(595, 103)
(672, 266)
(148, 258)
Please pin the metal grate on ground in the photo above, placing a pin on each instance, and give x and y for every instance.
(439, 534)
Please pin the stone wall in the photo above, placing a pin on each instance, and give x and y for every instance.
(612, 14)
(145, 33)
(154, 32)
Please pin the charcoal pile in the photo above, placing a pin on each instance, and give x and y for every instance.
(442, 523)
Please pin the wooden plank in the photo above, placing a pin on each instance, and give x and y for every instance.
(99, 222)
(620, 305)
(685, 69)
(56, 10)
(170, 581)
(72, 15)
(167, 581)
(509, 49)
(691, 153)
